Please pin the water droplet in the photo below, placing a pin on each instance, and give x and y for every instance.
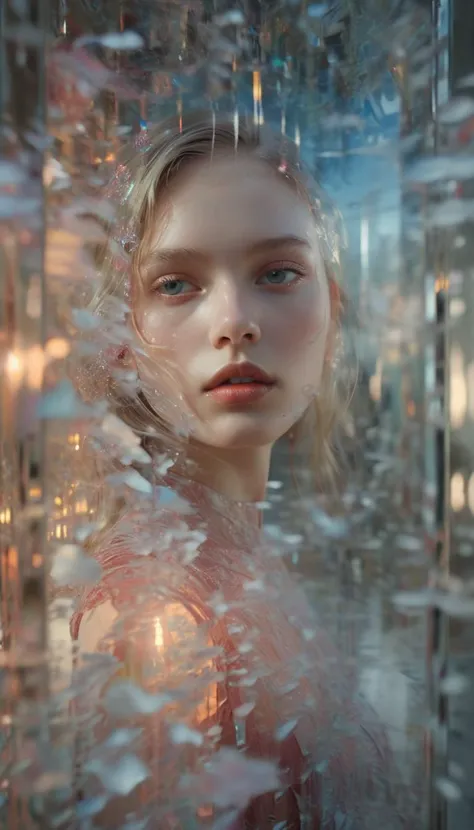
(448, 789)
(125, 699)
(286, 729)
(182, 734)
(244, 710)
(122, 777)
(71, 567)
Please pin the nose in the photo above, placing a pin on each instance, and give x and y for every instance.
(234, 320)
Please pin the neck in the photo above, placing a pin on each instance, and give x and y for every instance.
(239, 474)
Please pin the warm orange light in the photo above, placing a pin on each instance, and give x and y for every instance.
(257, 87)
(5, 516)
(14, 366)
(34, 365)
(13, 558)
(470, 493)
(441, 283)
(458, 398)
(458, 499)
(159, 635)
(57, 348)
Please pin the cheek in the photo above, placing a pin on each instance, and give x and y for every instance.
(154, 327)
(306, 329)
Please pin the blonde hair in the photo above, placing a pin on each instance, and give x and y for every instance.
(144, 171)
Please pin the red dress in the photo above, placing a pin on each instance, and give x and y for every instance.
(213, 699)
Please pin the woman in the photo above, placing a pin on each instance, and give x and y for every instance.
(231, 707)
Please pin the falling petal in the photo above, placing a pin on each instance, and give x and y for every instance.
(413, 600)
(90, 806)
(63, 403)
(132, 479)
(286, 729)
(233, 17)
(257, 585)
(48, 781)
(316, 10)
(17, 206)
(71, 566)
(122, 777)
(231, 779)
(454, 684)
(169, 499)
(182, 734)
(449, 789)
(123, 737)
(440, 168)
(125, 699)
(86, 320)
(461, 608)
(457, 111)
(409, 543)
(122, 40)
(244, 710)
(112, 425)
(85, 531)
(11, 174)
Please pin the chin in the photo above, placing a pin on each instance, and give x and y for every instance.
(239, 431)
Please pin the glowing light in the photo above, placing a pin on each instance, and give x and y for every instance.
(37, 560)
(57, 348)
(14, 365)
(35, 367)
(470, 389)
(457, 307)
(257, 87)
(13, 558)
(442, 283)
(257, 98)
(458, 397)
(35, 492)
(458, 499)
(5, 516)
(159, 635)
(470, 493)
(375, 383)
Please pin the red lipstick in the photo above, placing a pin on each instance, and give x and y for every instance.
(239, 383)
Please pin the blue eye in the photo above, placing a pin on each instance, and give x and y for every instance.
(280, 276)
(173, 287)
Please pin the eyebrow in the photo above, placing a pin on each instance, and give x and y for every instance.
(165, 255)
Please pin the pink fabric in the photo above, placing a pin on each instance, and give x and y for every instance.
(336, 765)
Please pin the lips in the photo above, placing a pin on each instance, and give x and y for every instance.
(235, 372)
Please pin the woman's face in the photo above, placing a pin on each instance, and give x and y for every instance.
(233, 304)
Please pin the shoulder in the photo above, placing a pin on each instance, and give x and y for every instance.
(160, 622)
(94, 625)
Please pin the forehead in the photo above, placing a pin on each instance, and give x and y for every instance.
(221, 204)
